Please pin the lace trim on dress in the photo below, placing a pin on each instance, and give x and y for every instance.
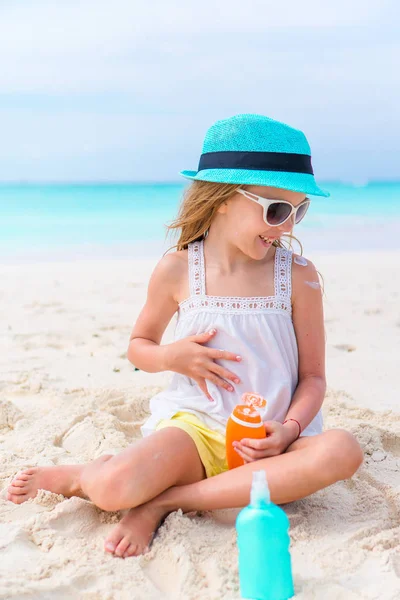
(197, 274)
(234, 305)
(199, 300)
(283, 273)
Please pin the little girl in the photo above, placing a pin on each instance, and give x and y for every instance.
(250, 319)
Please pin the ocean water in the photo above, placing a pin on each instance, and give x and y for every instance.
(53, 221)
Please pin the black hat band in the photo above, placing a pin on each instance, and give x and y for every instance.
(257, 161)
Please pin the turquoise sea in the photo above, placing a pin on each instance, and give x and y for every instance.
(100, 220)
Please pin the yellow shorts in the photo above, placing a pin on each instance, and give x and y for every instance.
(210, 444)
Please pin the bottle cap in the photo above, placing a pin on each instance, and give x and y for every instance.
(247, 414)
(259, 488)
(254, 400)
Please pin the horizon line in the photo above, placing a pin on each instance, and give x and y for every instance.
(166, 182)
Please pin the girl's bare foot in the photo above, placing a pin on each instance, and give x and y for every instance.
(134, 533)
(63, 480)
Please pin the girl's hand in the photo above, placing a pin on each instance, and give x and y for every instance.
(277, 440)
(191, 358)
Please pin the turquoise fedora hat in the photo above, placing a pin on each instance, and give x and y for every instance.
(256, 150)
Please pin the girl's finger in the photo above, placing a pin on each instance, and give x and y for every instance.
(258, 444)
(224, 373)
(246, 459)
(215, 353)
(202, 338)
(203, 386)
(249, 454)
(210, 376)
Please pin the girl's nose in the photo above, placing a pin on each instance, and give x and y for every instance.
(287, 226)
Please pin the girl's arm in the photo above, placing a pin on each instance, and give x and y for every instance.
(189, 356)
(144, 350)
(308, 320)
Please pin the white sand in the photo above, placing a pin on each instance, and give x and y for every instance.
(68, 394)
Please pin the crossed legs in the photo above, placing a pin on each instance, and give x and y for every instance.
(163, 472)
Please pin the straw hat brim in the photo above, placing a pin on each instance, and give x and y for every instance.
(296, 182)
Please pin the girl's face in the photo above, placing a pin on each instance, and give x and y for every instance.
(245, 224)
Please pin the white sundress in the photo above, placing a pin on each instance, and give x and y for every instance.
(259, 329)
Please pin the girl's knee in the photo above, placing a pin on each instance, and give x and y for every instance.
(344, 452)
(105, 482)
(109, 492)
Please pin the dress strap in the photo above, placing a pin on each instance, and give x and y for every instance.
(197, 276)
(283, 273)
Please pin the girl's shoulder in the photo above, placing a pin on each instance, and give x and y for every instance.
(304, 276)
(171, 271)
(172, 263)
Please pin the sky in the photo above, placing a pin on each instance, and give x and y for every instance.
(93, 90)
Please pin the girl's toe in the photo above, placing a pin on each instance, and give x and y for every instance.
(122, 546)
(28, 472)
(130, 551)
(112, 541)
(140, 550)
(17, 491)
(110, 547)
(22, 476)
(18, 499)
(18, 483)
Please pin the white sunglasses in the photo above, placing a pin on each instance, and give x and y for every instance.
(277, 212)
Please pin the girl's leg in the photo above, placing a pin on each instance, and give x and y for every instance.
(142, 471)
(308, 465)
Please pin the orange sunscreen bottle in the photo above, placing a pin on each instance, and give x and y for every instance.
(244, 422)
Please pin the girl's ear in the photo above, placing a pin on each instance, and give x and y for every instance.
(223, 208)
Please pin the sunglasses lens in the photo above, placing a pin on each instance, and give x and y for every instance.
(277, 213)
(301, 212)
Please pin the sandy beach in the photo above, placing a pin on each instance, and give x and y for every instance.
(68, 394)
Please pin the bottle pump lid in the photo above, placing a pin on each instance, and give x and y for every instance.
(259, 488)
(246, 416)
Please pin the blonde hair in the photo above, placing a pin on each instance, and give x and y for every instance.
(200, 203)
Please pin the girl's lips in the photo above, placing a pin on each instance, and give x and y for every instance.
(265, 242)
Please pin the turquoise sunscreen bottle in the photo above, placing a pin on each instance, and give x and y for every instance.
(265, 571)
